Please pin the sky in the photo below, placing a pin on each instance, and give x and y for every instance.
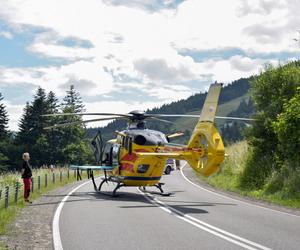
(124, 55)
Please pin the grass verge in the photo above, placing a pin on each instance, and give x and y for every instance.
(57, 178)
(228, 179)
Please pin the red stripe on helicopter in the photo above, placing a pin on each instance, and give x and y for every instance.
(171, 149)
(130, 157)
(127, 167)
(141, 150)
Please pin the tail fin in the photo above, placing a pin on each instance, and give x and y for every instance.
(207, 138)
(211, 103)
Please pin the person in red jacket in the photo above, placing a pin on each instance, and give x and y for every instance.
(26, 176)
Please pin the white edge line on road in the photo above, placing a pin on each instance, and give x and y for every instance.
(228, 197)
(55, 223)
(205, 226)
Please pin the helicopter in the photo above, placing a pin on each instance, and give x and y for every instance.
(137, 156)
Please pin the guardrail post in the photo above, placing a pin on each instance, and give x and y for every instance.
(17, 192)
(46, 180)
(6, 196)
(60, 176)
(32, 184)
(39, 182)
(53, 177)
(74, 173)
(68, 174)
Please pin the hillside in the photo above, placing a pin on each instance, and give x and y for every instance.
(231, 97)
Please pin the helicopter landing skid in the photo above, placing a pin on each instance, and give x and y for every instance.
(162, 193)
(106, 180)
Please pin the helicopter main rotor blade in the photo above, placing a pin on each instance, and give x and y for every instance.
(173, 115)
(82, 114)
(234, 118)
(161, 120)
(198, 116)
(82, 122)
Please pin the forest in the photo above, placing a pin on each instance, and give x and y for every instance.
(46, 147)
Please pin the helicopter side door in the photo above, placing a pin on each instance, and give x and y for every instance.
(97, 147)
(107, 154)
(116, 155)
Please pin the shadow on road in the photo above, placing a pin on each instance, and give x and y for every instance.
(186, 207)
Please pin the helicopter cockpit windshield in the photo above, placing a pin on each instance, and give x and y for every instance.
(137, 125)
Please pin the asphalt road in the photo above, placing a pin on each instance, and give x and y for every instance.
(192, 218)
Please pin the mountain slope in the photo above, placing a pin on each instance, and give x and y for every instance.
(230, 98)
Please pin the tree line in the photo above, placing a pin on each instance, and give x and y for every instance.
(56, 146)
(273, 162)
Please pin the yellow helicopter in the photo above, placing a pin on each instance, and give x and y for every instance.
(137, 156)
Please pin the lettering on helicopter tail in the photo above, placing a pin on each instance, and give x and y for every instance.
(130, 157)
(127, 167)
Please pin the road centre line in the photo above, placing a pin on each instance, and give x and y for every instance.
(228, 197)
(247, 244)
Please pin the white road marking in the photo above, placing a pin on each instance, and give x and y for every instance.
(55, 224)
(242, 242)
(227, 197)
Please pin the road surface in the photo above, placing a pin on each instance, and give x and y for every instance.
(192, 218)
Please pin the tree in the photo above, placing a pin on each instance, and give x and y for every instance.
(287, 129)
(72, 101)
(52, 102)
(25, 126)
(3, 120)
(5, 138)
(271, 91)
(73, 146)
(53, 135)
(32, 126)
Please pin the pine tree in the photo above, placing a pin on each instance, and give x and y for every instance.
(3, 120)
(52, 102)
(53, 135)
(72, 101)
(72, 145)
(32, 128)
(25, 127)
(3, 136)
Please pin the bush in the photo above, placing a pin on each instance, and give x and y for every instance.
(256, 171)
(275, 136)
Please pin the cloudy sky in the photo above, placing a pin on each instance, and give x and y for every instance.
(124, 55)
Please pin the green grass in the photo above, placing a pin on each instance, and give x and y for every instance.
(2, 246)
(9, 214)
(228, 179)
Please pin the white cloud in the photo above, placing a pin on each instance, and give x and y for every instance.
(136, 43)
(57, 78)
(6, 34)
(160, 70)
(243, 63)
(14, 114)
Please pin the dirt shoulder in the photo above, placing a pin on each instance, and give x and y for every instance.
(190, 174)
(32, 228)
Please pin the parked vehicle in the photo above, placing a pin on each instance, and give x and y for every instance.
(170, 166)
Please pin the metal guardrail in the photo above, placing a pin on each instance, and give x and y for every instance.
(10, 195)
